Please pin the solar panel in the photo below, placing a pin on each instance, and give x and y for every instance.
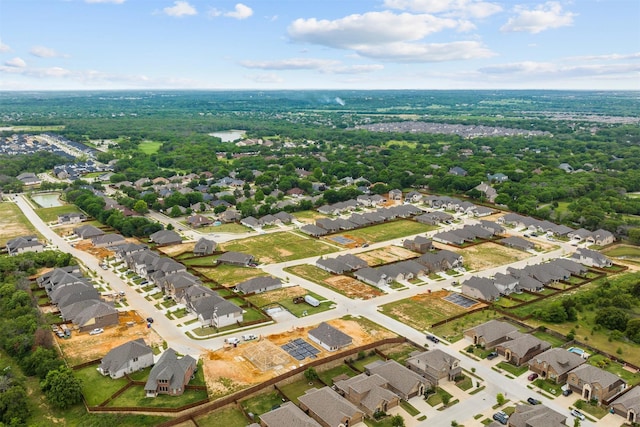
(299, 349)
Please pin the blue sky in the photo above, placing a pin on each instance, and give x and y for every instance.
(313, 44)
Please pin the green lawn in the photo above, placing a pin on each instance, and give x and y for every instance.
(310, 272)
(51, 214)
(282, 298)
(328, 375)
(262, 403)
(229, 275)
(524, 297)
(436, 398)
(279, 247)
(400, 353)
(226, 228)
(452, 331)
(149, 147)
(135, 397)
(551, 339)
(296, 389)
(621, 251)
(512, 369)
(13, 223)
(359, 364)
(412, 410)
(227, 417)
(465, 384)
(615, 368)
(97, 388)
(390, 230)
(417, 313)
(550, 387)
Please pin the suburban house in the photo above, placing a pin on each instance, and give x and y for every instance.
(555, 364)
(108, 240)
(175, 284)
(434, 218)
(628, 405)
(288, 414)
(435, 365)
(71, 218)
(313, 230)
(170, 375)
(370, 393)
(198, 220)
(29, 178)
(418, 244)
(87, 231)
(536, 416)
(591, 258)
(129, 357)
(329, 338)
(332, 265)
(24, 244)
(458, 171)
(235, 258)
(373, 277)
(204, 247)
(165, 237)
(258, 285)
(594, 383)
(401, 380)
(51, 279)
(90, 314)
(601, 237)
(521, 349)
(211, 308)
(395, 194)
(329, 408)
(480, 288)
(517, 243)
(490, 334)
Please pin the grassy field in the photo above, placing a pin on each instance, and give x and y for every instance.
(279, 247)
(97, 388)
(359, 364)
(13, 223)
(328, 375)
(452, 331)
(51, 214)
(284, 298)
(615, 368)
(136, 397)
(489, 255)
(225, 228)
(149, 147)
(229, 275)
(310, 272)
(390, 230)
(308, 217)
(227, 417)
(419, 314)
(623, 251)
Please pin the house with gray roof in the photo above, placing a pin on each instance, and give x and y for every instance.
(490, 334)
(395, 194)
(555, 364)
(210, 308)
(601, 237)
(63, 295)
(20, 245)
(284, 217)
(313, 230)
(525, 282)
(288, 414)
(50, 279)
(257, 285)
(108, 240)
(332, 265)
(370, 393)
(90, 314)
(87, 231)
(480, 288)
(517, 243)
(175, 284)
(594, 383)
(352, 261)
(129, 357)
(506, 283)
(170, 375)
(418, 244)
(329, 338)
(628, 405)
(373, 277)
(434, 218)
(434, 365)
(165, 237)
(122, 251)
(71, 218)
(401, 380)
(520, 349)
(235, 258)
(591, 258)
(204, 247)
(251, 222)
(329, 408)
(449, 238)
(573, 267)
(536, 416)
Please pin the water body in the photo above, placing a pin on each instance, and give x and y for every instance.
(229, 135)
(47, 200)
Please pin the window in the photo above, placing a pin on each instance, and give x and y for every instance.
(135, 359)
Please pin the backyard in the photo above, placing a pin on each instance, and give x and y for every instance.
(388, 231)
(489, 255)
(229, 275)
(344, 285)
(51, 214)
(279, 247)
(285, 298)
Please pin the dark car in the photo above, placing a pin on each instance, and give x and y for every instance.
(433, 339)
(500, 418)
(567, 392)
(532, 377)
(149, 319)
(492, 355)
(533, 401)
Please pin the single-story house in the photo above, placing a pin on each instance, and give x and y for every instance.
(165, 237)
(287, 414)
(490, 334)
(521, 349)
(235, 258)
(24, 244)
(258, 285)
(87, 231)
(329, 408)
(536, 416)
(329, 338)
(628, 405)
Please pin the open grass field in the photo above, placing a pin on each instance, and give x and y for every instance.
(227, 417)
(229, 275)
(51, 214)
(225, 228)
(632, 378)
(422, 310)
(284, 297)
(279, 247)
(489, 255)
(344, 285)
(13, 223)
(308, 217)
(389, 231)
(136, 397)
(452, 331)
(97, 388)
(623, 252)
(149, 147)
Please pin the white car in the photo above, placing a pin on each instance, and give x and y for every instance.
(577, 414)
(96, 331)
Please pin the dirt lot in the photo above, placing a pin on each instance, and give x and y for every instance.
(175, 250)
(12, 223)
(228, 370)
(288, 293)
(100, 253)
(352, 287)
(82, 347)
(386, 255)
(489, 255)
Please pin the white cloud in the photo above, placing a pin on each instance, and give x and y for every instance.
(543, 17)
(461, 8)
(179, 9)
(15, 62)
(105, 1)
(4, 47)
(427, 52)
(609, 57)
(241, 11)
(326, 66)
(550, 70)
(44, 52)
(372, 28)
(265, 78)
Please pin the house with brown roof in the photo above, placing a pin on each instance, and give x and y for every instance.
(536, 416)
(521, 349)
(628, 405)
(288, 414)
(370, 393)
(198, 220)
(418, 244)
(555, 364)
(435, 365)
(490, 334)
(401, 380)
(329, 408)
(594, 383)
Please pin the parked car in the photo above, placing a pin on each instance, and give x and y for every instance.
(366, 245)
(96, 331)
(149, 319)
(492, 355)
(577, 414)
(533, 401)
(532, 376)
(500, 418)
(567, 392)
(433, 339)
(232, 340)
(249, 337)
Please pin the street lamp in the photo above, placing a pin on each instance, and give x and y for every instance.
(215, 318)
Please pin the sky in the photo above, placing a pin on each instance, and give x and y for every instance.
(319, 44)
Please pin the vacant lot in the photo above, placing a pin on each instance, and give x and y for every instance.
(389, 230)
(13, 223)
(229, 275)
(149, 147)
(345, 285)
(284, 297)
(423, 310)
(51, 214)
(308, 217)
(489, 255)
(279, 247)
(177, 250)
(386, 255)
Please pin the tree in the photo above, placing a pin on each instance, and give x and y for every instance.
(446, 398)
(62, 388)
(612, 318)
(397, 421)
(500, 399)
(141, 207)
(311, 374)
(14, 406)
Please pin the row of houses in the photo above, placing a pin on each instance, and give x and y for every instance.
(456, 205)
(469, 233)
(280, 218)
(534, 225)
(77, 299)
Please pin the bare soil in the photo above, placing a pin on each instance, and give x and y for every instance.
(100, 253)
(82, 347)
(489, 255)
(386, 255)
(352, 288)
(176, 250)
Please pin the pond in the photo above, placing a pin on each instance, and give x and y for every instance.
(229, 135)
(47, 200)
